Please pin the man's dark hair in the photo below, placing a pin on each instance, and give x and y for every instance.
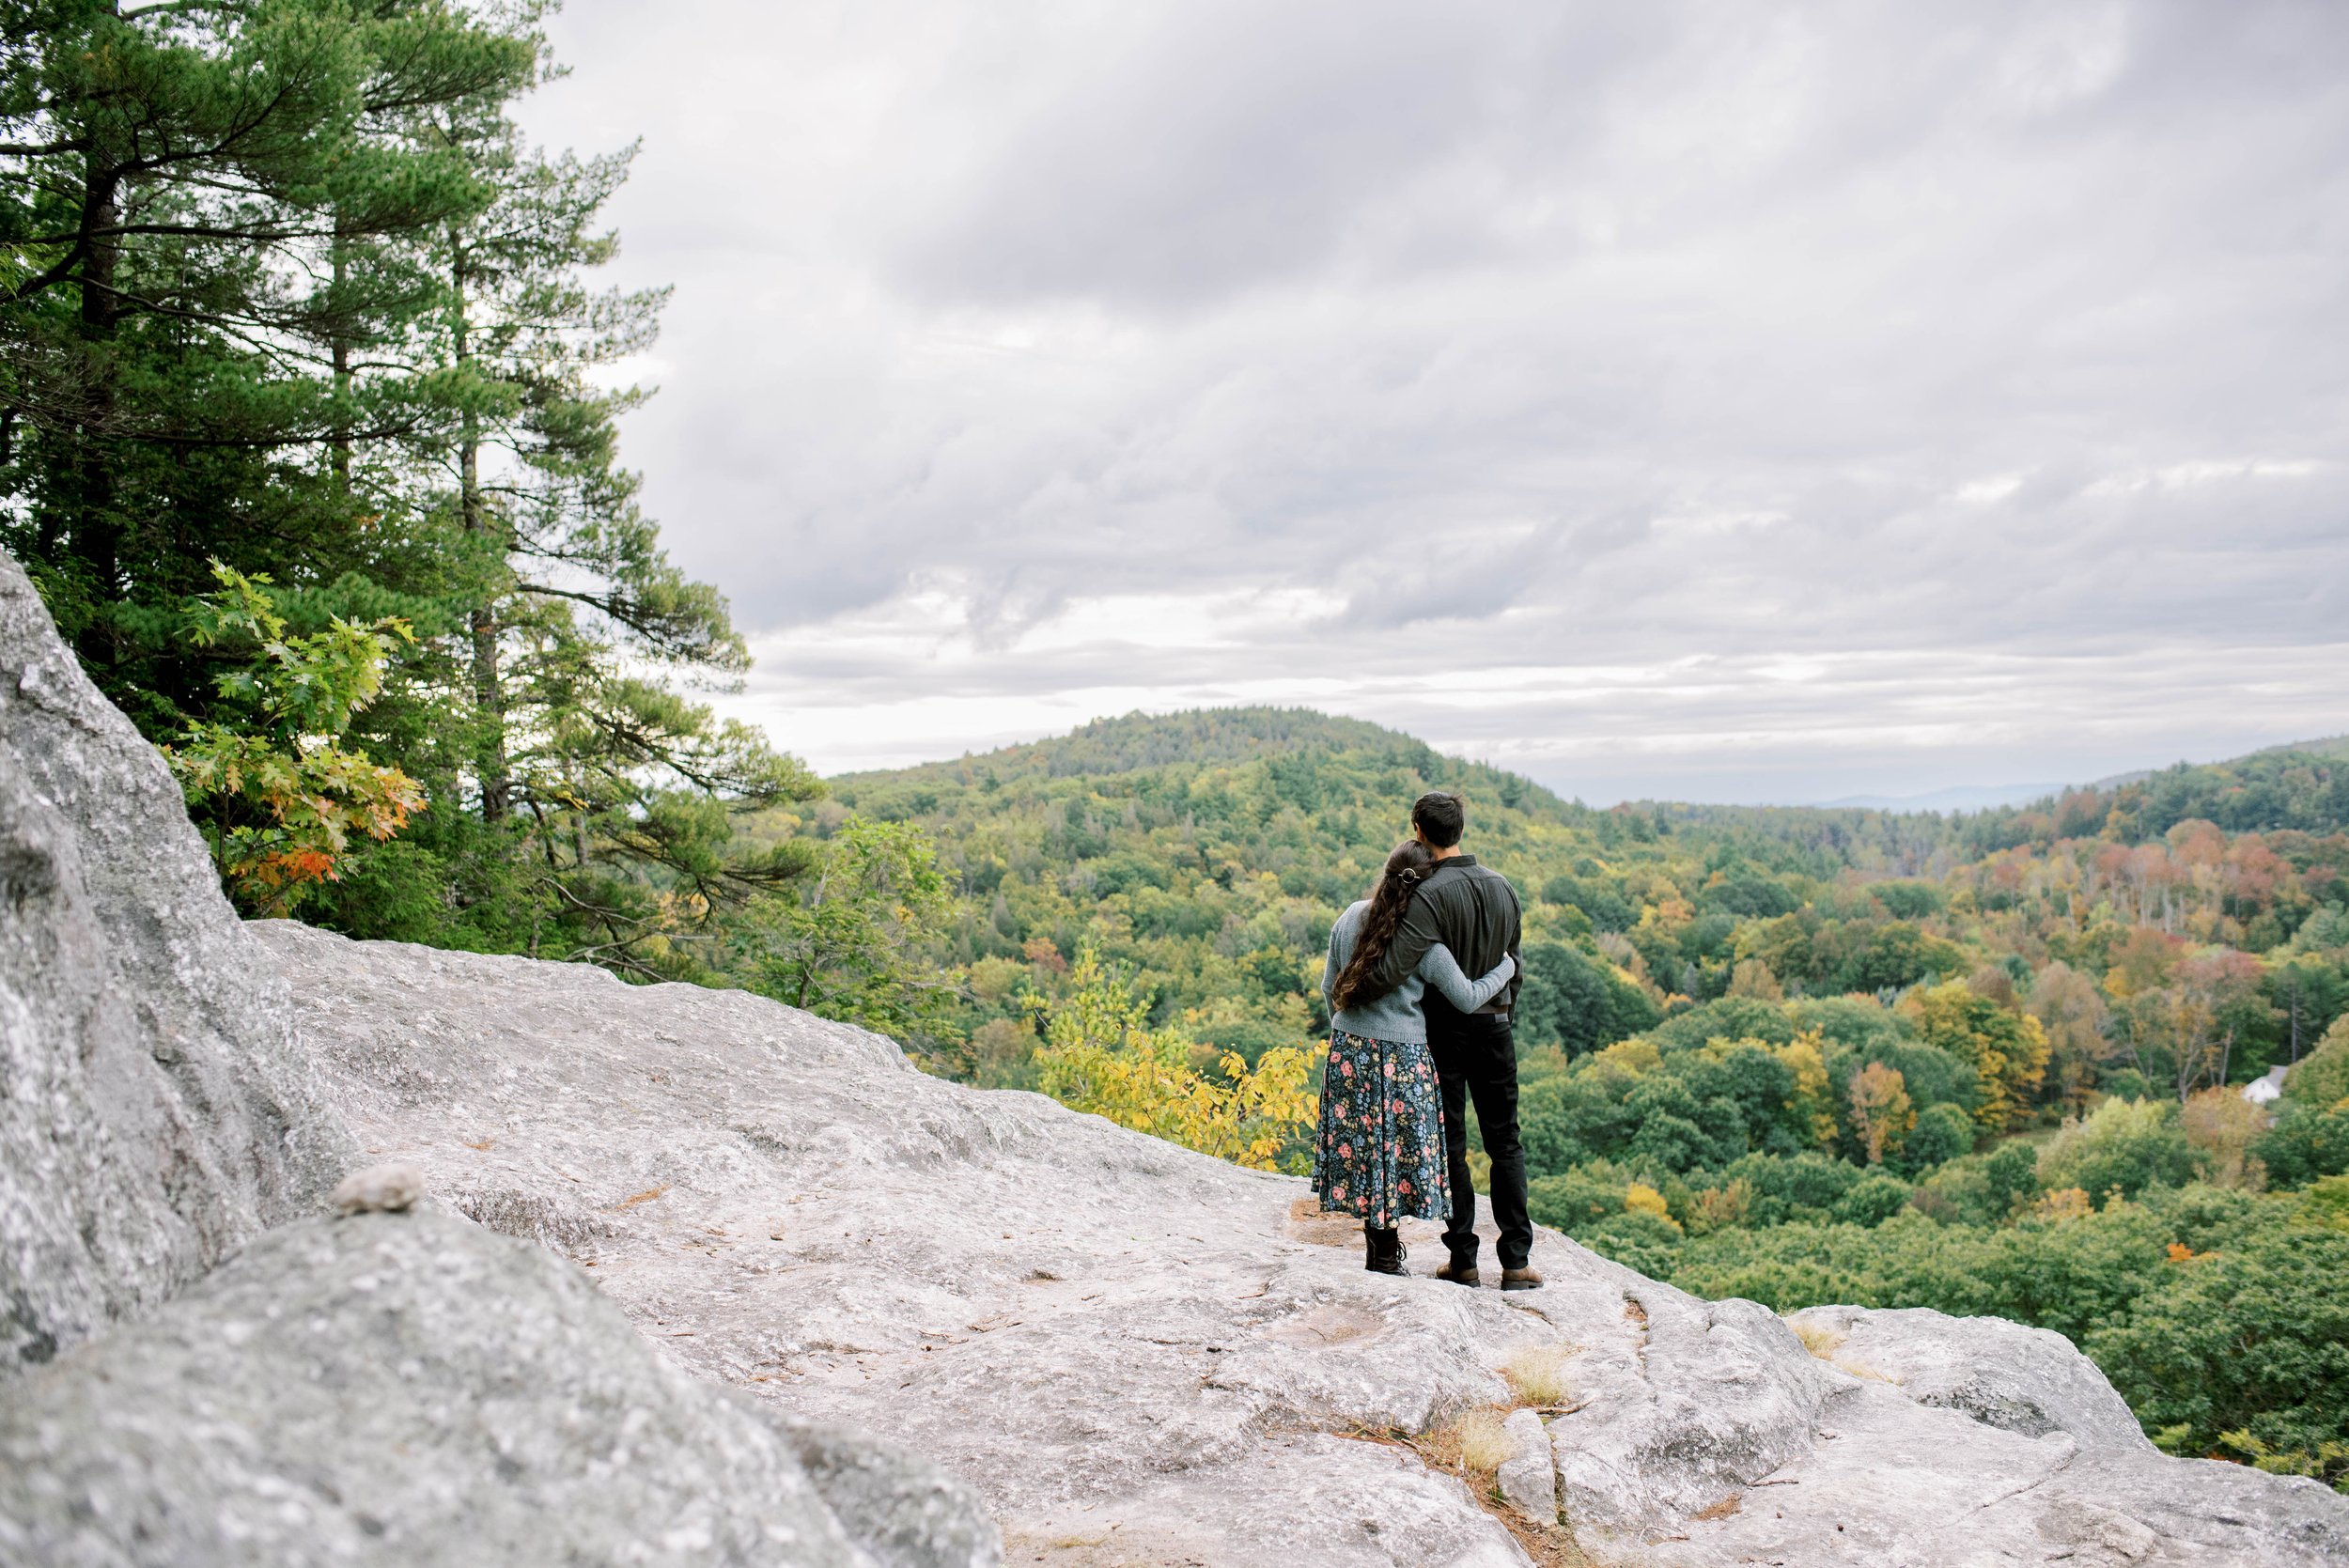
(1440, 818)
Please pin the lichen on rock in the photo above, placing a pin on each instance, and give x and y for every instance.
(155, 1110)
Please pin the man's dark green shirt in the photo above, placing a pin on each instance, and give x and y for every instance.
(1472, 910)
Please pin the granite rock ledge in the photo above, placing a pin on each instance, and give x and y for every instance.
(1135, 1354)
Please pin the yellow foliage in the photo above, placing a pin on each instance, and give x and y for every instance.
(2222, 1123)
(2069, 1203)
(1100, 1056)
(2327, 1461)
(1880, 1108)
(1723, 1208)
(1814, 1099)
(2327, 1202)
(2008, 1051)
(992, 979)
(1636, 1055)
(1639, 1198)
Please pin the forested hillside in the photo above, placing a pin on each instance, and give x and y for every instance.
(1207, 852)
(1986, 1064)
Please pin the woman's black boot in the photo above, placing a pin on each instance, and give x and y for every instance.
(1383, 1251)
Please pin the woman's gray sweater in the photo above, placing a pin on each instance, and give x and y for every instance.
(1400, 1015)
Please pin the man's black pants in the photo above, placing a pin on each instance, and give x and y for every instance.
(1476, 1058)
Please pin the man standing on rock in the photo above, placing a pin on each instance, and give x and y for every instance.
(1471, 909)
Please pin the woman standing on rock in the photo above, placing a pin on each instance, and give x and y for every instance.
(1381, 1153)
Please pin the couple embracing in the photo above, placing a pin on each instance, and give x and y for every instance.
(1413, 1038)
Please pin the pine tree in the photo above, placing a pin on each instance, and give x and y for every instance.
(618, 795)
(187, 189)
(284, 289)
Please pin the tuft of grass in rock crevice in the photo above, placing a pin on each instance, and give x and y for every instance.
(1822, 1343)
(1825, 1345)
(1537, 1377)
(1474, 1446)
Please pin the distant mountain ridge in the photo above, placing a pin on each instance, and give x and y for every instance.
(2332, 748)
(1139, 742)
(1132, 742)
(1958, 798)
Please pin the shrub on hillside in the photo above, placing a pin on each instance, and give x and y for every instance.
(1752, 895)
(1574, 1000)
(2124, 1146)
(1606, 909)
(2069, 1275)
(1637, 1239)
(1784, 1189)
(2248, 1351)
(1897, 956)
(1909, 900)
(1603, 1206)
(2322, 1077)
(1942, 1133)
(1872, 1200)
(2306, 1143)
(1930, 1074)
(1576, 1200)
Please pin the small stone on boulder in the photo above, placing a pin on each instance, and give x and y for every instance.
(378, 1190)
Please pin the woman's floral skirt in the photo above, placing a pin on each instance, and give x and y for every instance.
(1381, 1153)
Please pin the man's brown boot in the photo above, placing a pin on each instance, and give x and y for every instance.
(1521, 1279)
(1460, 1274)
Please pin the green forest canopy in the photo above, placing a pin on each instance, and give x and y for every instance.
(1210, 850)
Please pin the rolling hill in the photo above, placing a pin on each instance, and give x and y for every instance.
(1208, 851)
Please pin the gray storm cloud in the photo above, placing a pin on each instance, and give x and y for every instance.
(1779, 401)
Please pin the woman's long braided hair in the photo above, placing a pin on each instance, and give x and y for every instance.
(1405, 869)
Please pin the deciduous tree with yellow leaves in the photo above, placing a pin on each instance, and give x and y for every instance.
(2008, 1051)
(1880, 1108)
(1100, 1055)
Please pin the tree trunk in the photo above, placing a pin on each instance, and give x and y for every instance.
(488, 689)
(489, 697)
(96, 535)
(339, 456)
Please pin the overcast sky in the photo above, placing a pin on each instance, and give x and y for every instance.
(1726, 401)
